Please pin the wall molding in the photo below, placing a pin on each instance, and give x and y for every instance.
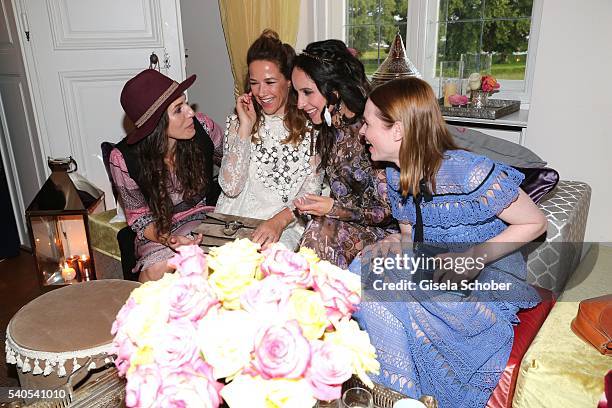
(72, 83)
(10, 43)
(10, 164)
(65, 38)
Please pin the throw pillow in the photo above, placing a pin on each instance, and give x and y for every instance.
(496, 149)
(538, 181)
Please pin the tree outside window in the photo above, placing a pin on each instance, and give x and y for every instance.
(371, 27)
(498, 27)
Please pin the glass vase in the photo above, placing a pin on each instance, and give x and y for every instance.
(479, 98)
(451, 73)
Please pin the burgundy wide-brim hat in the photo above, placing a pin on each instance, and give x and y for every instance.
(145, 97)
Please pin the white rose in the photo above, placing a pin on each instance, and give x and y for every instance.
(474, 81)
(227, 339)
(247, 391)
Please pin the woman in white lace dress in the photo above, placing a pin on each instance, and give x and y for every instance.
(269, 158)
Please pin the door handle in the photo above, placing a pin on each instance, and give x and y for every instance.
(154, 61)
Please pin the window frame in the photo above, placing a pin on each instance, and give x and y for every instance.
(328, 19)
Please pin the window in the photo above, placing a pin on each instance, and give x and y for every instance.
(496, 27)
(371, 26)
(442, 30)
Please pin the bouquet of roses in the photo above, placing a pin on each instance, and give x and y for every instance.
(485, 83)
(255, 329)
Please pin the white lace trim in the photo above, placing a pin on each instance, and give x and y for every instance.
(54, 362)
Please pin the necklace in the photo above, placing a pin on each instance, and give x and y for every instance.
(281, 166)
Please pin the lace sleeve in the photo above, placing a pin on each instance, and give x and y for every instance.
(375, 209)
(495, 185)
(236, 157)
(137, 213)
(312, 183)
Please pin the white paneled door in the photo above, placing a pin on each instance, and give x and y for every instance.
(81, 54)
(19, 144)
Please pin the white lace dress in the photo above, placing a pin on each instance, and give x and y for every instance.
(260, 179)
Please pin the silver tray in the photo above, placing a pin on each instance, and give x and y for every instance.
(385, 397)
(496, 108)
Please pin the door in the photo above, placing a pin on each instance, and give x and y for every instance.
(19, 144)
(82, 53)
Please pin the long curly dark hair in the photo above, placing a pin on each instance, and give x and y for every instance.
(340, 77)
(268, 47)
(154, 174)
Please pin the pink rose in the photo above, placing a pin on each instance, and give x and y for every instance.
(203, 369)
(291, 267)
(458, 100)
(123, 314)
(190, 260)
(183, 389)
(281, 351)
(191, 299)
(176, 347)
(267, 296)
(330, 366)
(143, 386)
(123, 348)
(339, 300)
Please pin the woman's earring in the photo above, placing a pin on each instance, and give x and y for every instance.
(327, 116)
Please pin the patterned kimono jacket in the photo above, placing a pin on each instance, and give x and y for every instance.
(361, 214)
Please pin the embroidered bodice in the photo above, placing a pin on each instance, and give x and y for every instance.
(470, 191)
(260, 179)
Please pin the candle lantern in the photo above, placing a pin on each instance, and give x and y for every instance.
(58, 225)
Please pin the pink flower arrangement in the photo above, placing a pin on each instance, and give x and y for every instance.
(248, 327)
(486, 83)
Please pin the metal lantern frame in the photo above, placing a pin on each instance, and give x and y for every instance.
(55, 218)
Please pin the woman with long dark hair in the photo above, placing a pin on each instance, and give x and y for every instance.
(268, 158)
(332, 90)
(449, 334)
(163, 169)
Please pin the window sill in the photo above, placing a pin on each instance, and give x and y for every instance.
(512, 127)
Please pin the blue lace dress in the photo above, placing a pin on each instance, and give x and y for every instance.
(452, 349)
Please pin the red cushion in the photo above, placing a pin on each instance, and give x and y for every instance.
(530, 322)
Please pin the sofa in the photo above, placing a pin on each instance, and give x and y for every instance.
(551, 261)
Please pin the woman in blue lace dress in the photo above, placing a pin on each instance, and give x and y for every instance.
(438, 342)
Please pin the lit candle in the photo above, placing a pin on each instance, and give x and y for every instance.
(68, 273)
(73, 262)
(450, 89)
(85, 267)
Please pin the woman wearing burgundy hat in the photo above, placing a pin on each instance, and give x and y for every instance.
(163, 169)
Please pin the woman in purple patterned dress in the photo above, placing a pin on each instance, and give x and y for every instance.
(332, 90)
(163, 169)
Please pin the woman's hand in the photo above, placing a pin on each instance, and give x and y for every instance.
(268, 232)
(387, 247)
(246, 112)
(175, 241)
(314, 204)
